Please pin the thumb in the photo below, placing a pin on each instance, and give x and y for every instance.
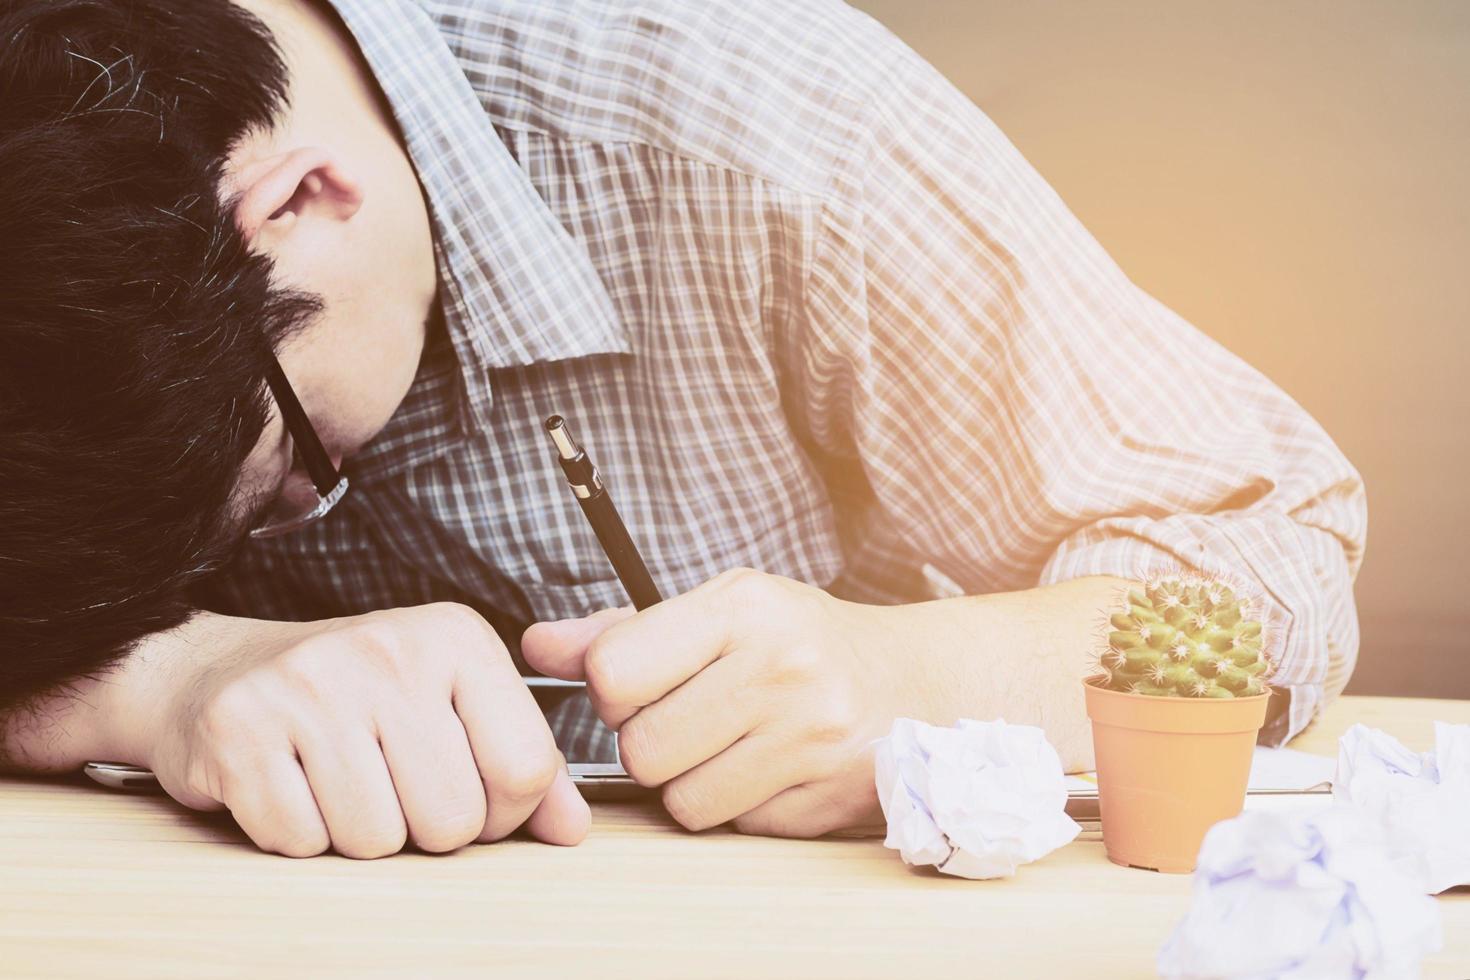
(557, 649)
(563, 816)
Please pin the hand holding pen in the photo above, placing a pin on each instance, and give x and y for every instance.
(751, 697)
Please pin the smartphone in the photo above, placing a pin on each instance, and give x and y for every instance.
(595, 780)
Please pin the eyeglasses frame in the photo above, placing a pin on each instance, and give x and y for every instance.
(330, 484)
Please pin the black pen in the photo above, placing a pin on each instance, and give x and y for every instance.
(587, 484)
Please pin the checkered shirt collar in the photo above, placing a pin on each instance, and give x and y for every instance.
(515, 288)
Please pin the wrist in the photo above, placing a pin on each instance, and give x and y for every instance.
(113, 716)
(140, 698)
(127, 703)
(1020, 656)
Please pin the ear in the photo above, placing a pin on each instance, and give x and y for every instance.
(274, 193)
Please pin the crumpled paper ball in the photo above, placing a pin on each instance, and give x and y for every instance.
(977, 800)
(1304, 895)
(1422, 802)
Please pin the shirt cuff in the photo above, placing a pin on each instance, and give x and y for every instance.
(1292, 706)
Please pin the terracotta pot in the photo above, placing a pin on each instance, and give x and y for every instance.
(1167, 770)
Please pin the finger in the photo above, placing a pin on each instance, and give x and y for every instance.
(698, 720)
(513, 748)
(557, 649)
(434, 774)
(736, 781)
(562, 816)
(634, 663)
(354, 792)
(801, 811)
(275, 807)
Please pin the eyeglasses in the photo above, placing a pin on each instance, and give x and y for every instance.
(300, 503)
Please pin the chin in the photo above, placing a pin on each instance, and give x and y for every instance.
(348, 444)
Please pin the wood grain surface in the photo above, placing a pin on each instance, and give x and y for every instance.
(97, 883)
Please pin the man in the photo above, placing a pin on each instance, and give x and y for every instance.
(809, 310)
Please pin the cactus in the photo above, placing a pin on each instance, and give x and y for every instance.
(1183, 637)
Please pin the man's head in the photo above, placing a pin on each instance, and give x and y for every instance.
(184, 188)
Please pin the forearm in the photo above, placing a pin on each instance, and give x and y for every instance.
(57, 731)
(1020, 656)
(104, 717)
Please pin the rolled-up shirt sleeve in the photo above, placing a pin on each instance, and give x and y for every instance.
(1284, 520)
(1025, 414)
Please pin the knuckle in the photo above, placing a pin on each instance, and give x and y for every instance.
(458, 618)
(764, 597)
(599, 667)
(308, 667)
(797, 665)
(449, 610)
(450, 829)
(377, 642)
(376, 843)
(636, 752)
(686, 804)
(302, 843)
(526, 781)
(835, 721)
(739, 581)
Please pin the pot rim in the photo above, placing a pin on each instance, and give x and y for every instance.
(1092, 682)
(1180, 716)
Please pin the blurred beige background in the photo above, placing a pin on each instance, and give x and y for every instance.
(1295, 179)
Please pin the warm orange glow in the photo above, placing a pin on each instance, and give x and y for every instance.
(1291, 178)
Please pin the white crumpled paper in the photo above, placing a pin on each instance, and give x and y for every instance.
(976, 800)
(1304, 895)
(1422, 802)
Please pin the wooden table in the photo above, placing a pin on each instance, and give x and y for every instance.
(94, 883)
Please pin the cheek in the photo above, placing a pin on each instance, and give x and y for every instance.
(354, 266)
(359, 364)
(355, 406)
(402, 232)
(388, 244)
(359, 358)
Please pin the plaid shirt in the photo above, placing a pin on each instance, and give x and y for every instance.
(811, 313)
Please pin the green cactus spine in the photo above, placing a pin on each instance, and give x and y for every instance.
(1186, 638)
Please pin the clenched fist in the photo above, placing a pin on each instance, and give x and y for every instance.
(355, 734)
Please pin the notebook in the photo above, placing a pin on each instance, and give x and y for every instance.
(1279, 779)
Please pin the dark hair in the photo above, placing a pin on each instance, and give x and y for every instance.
(135, 324)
